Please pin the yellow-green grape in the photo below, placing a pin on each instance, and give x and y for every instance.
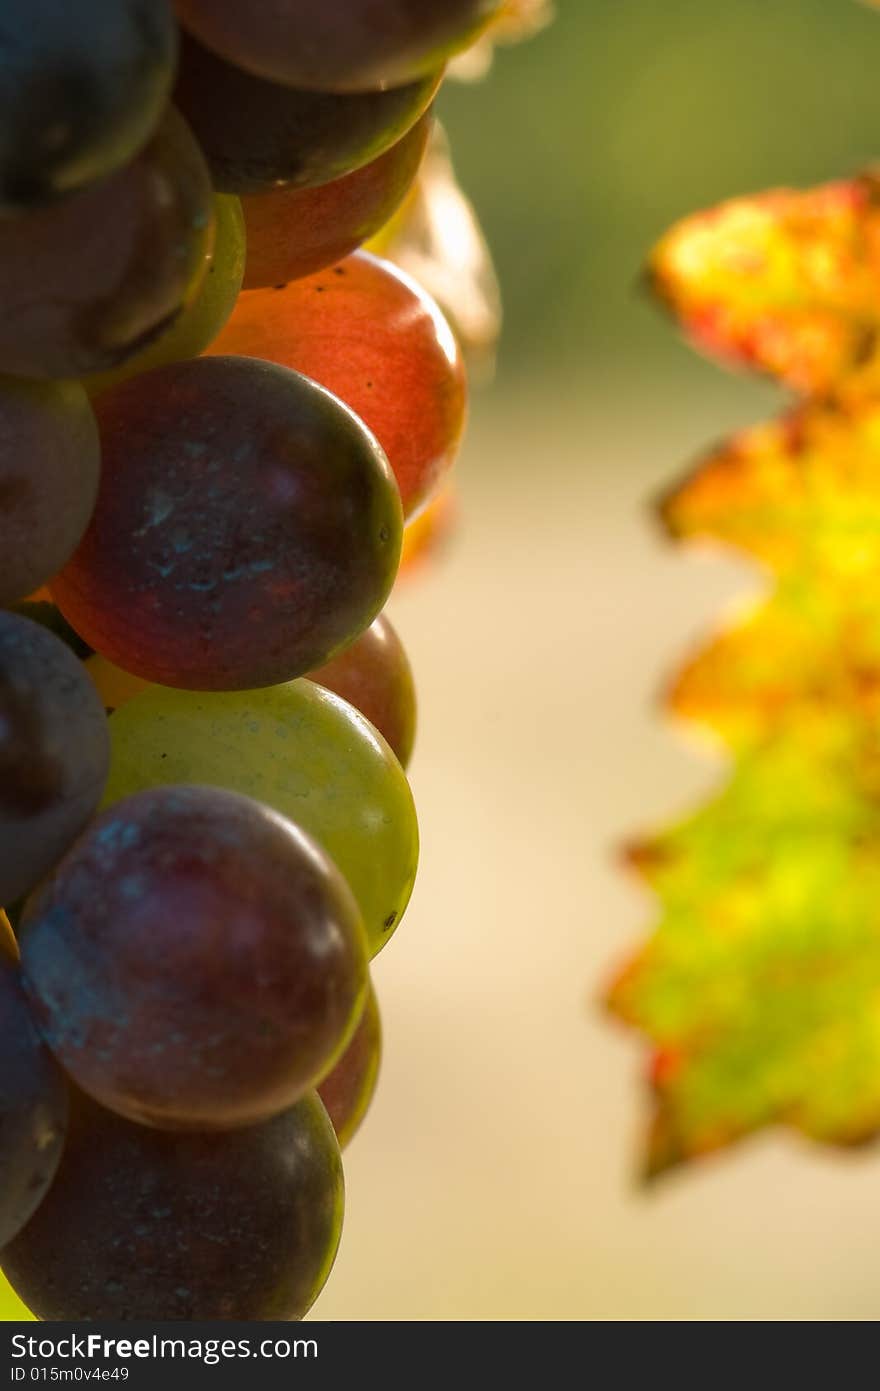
(197, 325)
(11, 1307)
(115, 686)
(302, 750)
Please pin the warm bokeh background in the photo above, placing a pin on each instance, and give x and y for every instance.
(493, 1178)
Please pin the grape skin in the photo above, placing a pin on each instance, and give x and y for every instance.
(259, 136)
(343, 45)
(33, 1103)
(373, 337)
(374, 675)
(50, 461)
(247, 527)
(301, 750)
(199, 323)
(195, 961)
(295, 232)
(82, 87)
(144, 1224)
(348, 1090)
(54, 752)
(89, 280)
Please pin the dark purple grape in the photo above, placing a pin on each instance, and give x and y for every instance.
(348, 1090)
(258, 135)
(81, 87)
(50, 460)
(247, 527)
(54, 752)
(142, 1224)
(33, 1103)
(195, 961)
(88, 280)
(337, 44)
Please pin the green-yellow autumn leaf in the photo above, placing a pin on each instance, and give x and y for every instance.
(760, 988)
(808, 651)
(799, 494)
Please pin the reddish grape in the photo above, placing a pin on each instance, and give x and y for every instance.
(369, 334)
(337, 44)
(348, 1090)
(87, 281)
(374, 675)
(258, 135)
(297, 231)
(195, 961)
(142, 1224)
(54, 752)
(33, 1102)
(247, 527)
(49, 465)
(81, 88)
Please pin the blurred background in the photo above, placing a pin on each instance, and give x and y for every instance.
(495, 1175)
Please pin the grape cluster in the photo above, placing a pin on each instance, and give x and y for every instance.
(216, 416)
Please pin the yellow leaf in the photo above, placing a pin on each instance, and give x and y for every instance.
(785, 283)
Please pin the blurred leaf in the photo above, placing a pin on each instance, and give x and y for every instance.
(786, 283)
(808, 651)
(800, 493)
(760, 989)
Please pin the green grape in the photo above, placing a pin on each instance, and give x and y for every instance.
(300, 749)
(199, 324)
(11, 1307)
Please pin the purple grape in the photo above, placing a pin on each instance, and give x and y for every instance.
(142, 1224)
(195, 961)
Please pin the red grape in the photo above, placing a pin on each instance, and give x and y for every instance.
(374, 675)
(88, 280)
(142, 1224)
(341, 44)
(54, 752)
(247, 527)
(348, 1090)
(297, 231)
(370, 335)
(258, 135)
(49, 465)
(195, 961)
